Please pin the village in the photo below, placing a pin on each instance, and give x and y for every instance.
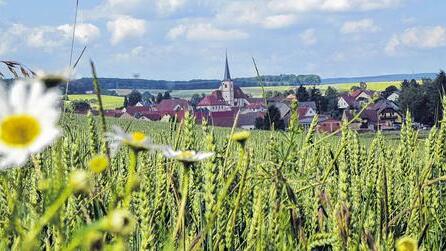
(366, 112)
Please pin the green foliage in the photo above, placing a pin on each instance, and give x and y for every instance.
(289, 190)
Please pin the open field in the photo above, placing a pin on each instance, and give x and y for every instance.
(257, 91)
(289, 191)
(109, 102)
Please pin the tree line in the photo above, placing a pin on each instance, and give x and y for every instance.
(83, 85)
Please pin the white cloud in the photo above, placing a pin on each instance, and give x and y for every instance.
(84, 32)
(308, 37)
(426, 37)
(253, 13)
(124, 27)
(331, 5)
(134, 53)
(205, 31)
(168, 6)
(278, 21)
(363, 25)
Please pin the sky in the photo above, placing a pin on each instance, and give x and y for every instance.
(187, 39)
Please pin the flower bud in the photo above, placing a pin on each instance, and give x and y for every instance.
(120, 221)
(79, 181)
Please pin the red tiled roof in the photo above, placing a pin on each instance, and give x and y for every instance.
(168, 105)
(302, 111)
(356, 93)
(152, 115)
(211, 100)
(256, 106)
(349, 99)
(132, 110)
(256, 100)
(238, 93)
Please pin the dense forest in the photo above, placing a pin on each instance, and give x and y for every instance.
(85, 84)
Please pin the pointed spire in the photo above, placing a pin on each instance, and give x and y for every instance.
(227, 73)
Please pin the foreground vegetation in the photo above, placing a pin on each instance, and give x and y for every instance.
(269, 191)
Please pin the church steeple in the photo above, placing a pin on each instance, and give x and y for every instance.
(227, 73)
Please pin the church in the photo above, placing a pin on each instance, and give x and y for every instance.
(227, 97)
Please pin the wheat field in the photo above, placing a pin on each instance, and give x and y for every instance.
(291, 190)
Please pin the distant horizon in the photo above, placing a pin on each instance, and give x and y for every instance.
(187, 39)
(237, 77)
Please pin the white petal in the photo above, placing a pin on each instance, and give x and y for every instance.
(49, 135)
(4, 107)
(13, 159)
(18, 96)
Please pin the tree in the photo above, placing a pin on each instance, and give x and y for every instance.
(302, 94)
(316, 96)
(126, 102)
(423, 101)
(167, 95)
(80, 106)
(363, 85)
(355, 88)
(134, 97)
(147, 97)
(260, 123)
(388, 91)
(195, 99)
(273, 119)
(331, 97)
(159, 98)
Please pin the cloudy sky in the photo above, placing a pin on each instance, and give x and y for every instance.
(187, 39)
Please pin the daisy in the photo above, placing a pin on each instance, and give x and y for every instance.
(137, 140)
(186, 156)
(28, 117)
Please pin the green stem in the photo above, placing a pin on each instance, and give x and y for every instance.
(79, 238)
(240, 191)
(49, 214)
(131, 179)
(181, 213)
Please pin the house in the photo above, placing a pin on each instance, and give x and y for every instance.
(310, 104)
(383, 115)
(328, 126)
(355, 99)
(254, 107)
(214, 103)
(389, 116)
(173, 107)
(247, 121)
(113, 113)
(136, 111)
(222, 119)
(226, 97)
(346, 101)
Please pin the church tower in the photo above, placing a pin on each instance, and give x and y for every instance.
(227, 86)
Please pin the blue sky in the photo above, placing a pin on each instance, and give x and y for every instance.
(187, 39)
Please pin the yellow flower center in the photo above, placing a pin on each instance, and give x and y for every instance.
(185, 155)
(19, 130)
(138, 137)
(98, 163)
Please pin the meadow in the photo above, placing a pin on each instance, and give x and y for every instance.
(257, 91)
(109, 102)
(293, 190)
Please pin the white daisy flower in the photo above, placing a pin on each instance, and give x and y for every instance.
(186, 156)
(28, 117)
(136, 140)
